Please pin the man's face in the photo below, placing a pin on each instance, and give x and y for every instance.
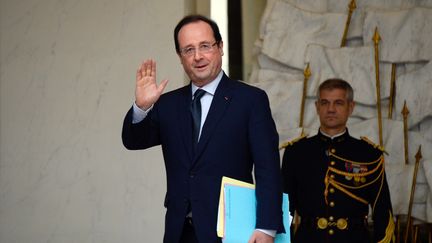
(333, 109)
(201, 66)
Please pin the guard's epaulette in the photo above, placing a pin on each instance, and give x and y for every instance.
(367, 140)
(289, 143)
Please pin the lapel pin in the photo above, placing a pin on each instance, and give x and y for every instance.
(226, 98)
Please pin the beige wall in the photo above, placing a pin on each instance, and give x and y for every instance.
(67, 73)
(251, 17)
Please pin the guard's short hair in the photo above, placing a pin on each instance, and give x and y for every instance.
(337, 83)
(192, 19)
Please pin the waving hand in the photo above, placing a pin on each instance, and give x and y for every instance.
(147, 91)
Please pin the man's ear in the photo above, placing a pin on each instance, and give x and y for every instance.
(221, 48)
(180, 57)
(351, 107)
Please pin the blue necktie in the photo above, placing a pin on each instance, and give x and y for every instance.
(196, 113)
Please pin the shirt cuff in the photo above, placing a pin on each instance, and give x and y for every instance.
(272, 233)
(139, 114)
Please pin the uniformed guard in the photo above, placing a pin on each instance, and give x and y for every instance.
(332, 178)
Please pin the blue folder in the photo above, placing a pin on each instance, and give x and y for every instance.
(240, 215)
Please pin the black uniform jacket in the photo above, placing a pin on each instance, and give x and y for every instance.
(331, 183)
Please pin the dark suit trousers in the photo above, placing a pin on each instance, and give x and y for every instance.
(188, 233)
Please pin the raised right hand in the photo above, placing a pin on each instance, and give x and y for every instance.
(147, 92)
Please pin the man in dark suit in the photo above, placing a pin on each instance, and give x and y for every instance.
(213, 127)
(332, 178)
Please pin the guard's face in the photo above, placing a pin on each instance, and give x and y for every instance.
(333, 109)
(202, 64)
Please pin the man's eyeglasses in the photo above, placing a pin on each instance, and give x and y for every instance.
(203, 48)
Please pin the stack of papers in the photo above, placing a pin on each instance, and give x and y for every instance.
(237, 212)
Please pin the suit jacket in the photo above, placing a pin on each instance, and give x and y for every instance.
(238, 134)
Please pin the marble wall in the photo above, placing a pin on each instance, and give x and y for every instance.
(67, 73)
(308, 33)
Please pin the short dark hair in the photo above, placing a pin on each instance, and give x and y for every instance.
(192, 19)
(337, 83)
